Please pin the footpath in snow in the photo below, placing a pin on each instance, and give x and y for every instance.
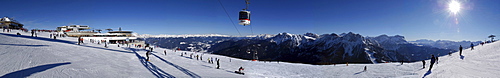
(26, 56)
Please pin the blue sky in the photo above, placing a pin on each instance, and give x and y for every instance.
(414, 19)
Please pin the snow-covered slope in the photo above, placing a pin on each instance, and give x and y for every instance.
(474, 64)
(482, 62)
(25, 56)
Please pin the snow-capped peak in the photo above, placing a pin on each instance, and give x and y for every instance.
(282, 37)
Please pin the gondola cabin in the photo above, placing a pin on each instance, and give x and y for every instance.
(244, 18)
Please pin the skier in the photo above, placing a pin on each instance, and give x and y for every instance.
(240, 71)
(55, 37)
(423, 65)
(460, 48)
(79, 40)
(105, 44)
(191, 56)
(165, 51)
(437, 60)
(433, 59)
(32, 33)
(147, 55)
(208, 59)
(364, 69)
(471, 46)
(218, 65)
(211, 60)
(197, 57)
(50, 35)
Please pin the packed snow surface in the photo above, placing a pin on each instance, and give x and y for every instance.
(43, 57)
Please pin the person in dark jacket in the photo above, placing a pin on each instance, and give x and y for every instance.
(460, 48)
(423, 65)
(433, 59)
(79, 40)
(437, 59)
(32, 33)
(218, 65)
(471, 46)
(364, 69)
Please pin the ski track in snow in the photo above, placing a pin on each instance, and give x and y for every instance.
(25, 56)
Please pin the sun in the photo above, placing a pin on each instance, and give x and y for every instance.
(454, 7)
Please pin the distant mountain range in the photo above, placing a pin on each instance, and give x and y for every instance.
(445, 44)
(311, 48)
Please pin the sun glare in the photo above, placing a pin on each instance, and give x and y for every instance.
(454, 7)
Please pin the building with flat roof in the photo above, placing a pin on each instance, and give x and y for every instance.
(10, 23)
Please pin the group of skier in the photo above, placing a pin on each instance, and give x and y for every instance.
(461, 48)
(199, 57)
(33, 33)
(435, 59)
(8, 30)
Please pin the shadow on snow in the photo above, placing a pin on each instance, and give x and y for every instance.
(462, 57)
(359, 72)
(428, 73)
(27, 72)
(24, 45)
(187, 72)
(151, 67)
(40, 38)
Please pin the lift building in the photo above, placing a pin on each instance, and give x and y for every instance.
(10, 23)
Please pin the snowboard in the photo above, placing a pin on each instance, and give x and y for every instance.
(239, 72)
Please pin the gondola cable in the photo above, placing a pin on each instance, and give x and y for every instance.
(230, 18)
